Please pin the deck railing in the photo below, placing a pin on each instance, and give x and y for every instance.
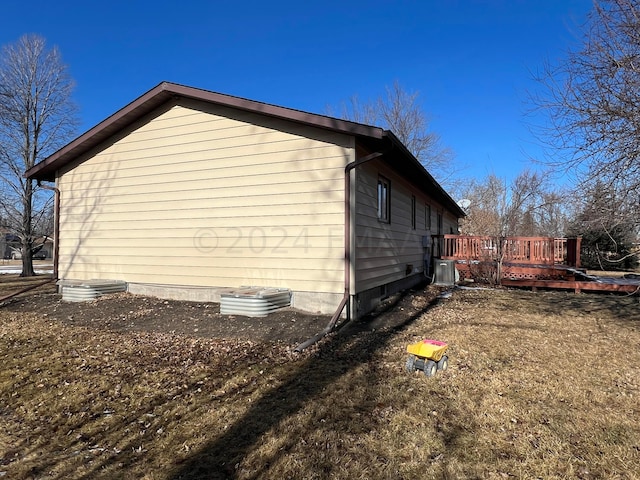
(523, 250)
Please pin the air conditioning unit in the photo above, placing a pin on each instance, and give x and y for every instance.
(444, 272)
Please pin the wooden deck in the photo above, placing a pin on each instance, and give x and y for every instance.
(514, 250)
(529, 262)
(611, 285)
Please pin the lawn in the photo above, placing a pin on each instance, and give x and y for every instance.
(539, 385)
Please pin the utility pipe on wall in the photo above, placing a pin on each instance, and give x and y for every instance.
(56, 231)
(56, 225)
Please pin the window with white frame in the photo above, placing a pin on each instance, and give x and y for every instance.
(427, 217)
(384, 199)
(413, 212)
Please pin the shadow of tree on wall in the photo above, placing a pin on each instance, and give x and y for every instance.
(220, 457)
(81, 207)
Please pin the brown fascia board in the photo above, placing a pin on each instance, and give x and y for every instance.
(166, 91)
(411, 168)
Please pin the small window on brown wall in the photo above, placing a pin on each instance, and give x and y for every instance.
(427, 217)
(384, 199)
(413, 212)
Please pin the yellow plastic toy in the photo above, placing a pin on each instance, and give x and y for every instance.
(428, 356)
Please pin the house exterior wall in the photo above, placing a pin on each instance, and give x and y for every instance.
(390, 255)
(207, 196)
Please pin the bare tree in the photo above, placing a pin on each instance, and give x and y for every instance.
(400, 111)
(592, 99)
(498, 209)
(607, 241)
(525, 207)
(37, 116)
(485, 206)
(552, 213)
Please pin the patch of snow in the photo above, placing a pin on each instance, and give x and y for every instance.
(17, 270)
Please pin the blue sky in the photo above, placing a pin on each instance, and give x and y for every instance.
(471, 61)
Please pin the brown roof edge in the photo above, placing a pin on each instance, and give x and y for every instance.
(45, 170)
(313, 119)
(415, 164)
(163, 92)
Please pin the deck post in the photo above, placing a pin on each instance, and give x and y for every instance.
(573, 251)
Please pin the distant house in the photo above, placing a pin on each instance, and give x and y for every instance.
(185, 191)
(11, 246)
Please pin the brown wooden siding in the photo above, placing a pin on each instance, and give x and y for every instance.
(383, 250)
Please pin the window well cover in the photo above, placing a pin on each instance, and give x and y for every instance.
(254, 301)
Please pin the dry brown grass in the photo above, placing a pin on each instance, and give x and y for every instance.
(541, 385)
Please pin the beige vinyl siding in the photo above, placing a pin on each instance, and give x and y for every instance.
(209, 196)
(383, 250)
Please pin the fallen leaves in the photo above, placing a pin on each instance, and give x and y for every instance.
(91, 397)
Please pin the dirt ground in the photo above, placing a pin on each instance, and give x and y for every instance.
(540, 385)
(126, 312)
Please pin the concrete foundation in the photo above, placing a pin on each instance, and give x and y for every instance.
(323, 303)
(312, 302)
(316, 302)
(177, 292)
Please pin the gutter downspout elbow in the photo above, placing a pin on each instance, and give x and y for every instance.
(347, 253)
(56, 226)
(347, 227)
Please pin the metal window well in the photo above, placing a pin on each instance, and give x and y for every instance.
(254, 301)
(85, 290)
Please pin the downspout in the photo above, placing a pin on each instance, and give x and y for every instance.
(56, 226)
(347, 253)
